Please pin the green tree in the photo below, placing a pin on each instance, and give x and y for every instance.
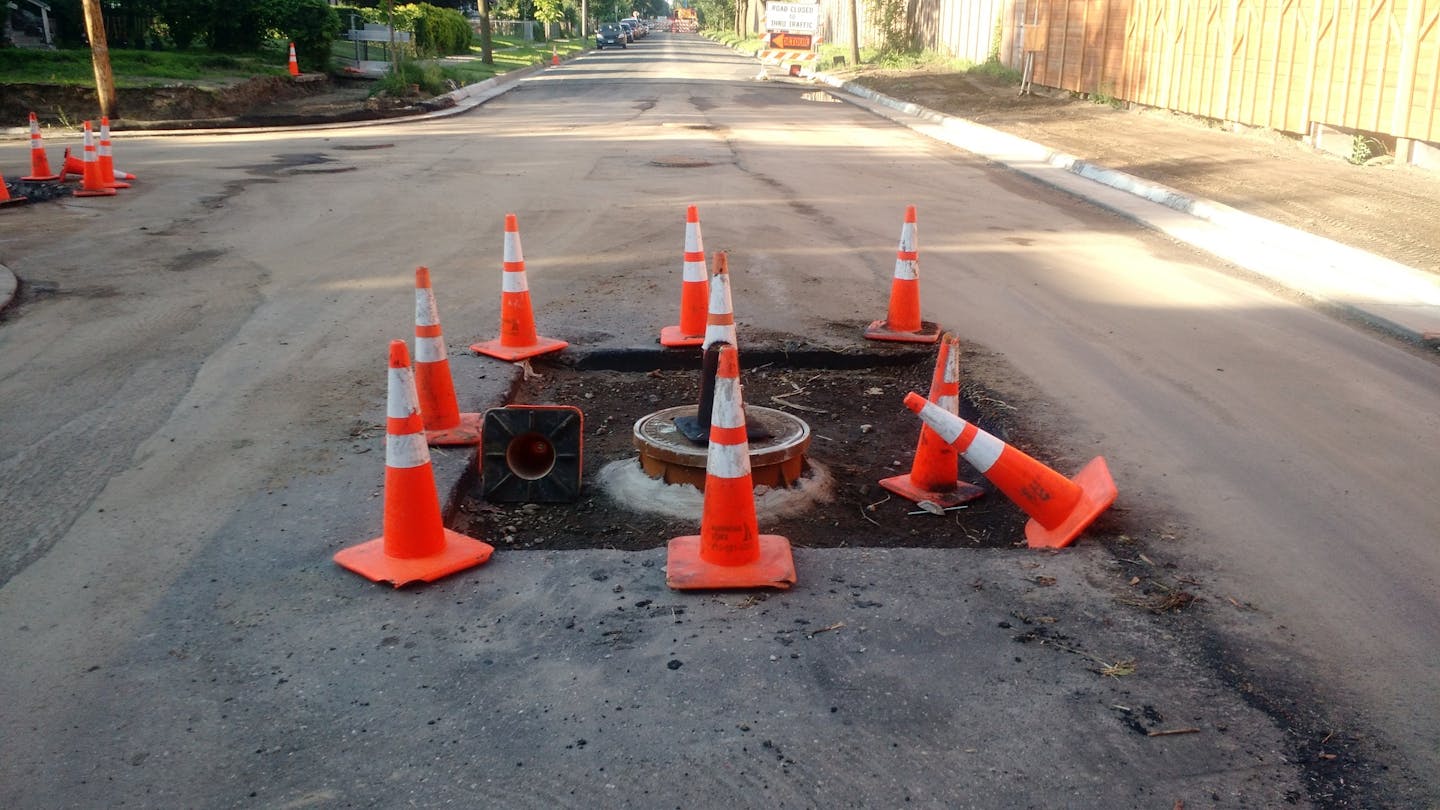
(550, 12)
(312, 25)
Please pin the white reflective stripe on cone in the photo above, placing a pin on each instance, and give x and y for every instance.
(952, 364)
(720, 305)
(429, 349)
(426, 313)
(404, 452)
(514, 282)
(512, 247)
(984, 451)
(945, 424)
(906, 270)
(728, 460)
(727, 412)
(401, 399)
(692, 237)
(694, 271)
(951, 404)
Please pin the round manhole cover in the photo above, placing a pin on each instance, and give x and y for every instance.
(665, 453)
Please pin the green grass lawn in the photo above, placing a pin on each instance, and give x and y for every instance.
(136, 68)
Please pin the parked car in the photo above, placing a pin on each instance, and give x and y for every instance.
(610, 35)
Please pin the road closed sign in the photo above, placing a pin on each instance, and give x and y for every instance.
(793, 18)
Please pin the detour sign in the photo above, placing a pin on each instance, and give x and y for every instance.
(794, 42)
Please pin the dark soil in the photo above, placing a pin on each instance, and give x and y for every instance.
(265, 101)
(865, 434)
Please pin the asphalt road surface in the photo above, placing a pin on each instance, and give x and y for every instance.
(192, 380)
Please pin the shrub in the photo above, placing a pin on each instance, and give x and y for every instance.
(438, 31)
(312, 25)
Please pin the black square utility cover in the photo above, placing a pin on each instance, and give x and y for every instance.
(531, 454)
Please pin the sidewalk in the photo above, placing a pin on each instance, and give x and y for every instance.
(1389, 295)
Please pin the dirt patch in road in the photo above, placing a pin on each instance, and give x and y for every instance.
(861, 433)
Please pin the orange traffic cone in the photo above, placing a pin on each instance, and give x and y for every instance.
(720, 317)
(5, 198)
(92, 185)
(934, 474)
(554, 56)
(71, 165)
(415, 545)
(903, 323)
(1059, 508)
(109, 175)
(518, 340)
(694, 289)
(444, 424)
(729, 551)
(39, 164)
(294, 65)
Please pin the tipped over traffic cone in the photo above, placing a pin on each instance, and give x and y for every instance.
(903, 322)
(444, 423)
(415, 545)
(1059, 508)
(92, 185)
(934, 473)
(75, 166)
(518, 340)
(5, 198)
(729, 551)
(694, 289)
(39, 164)
(294, 64)
(108, 176)
(71, 165)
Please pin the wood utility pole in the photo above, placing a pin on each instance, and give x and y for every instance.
(854, 34)
(100, 58)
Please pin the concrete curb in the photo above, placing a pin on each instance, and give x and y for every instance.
(1394, 297)
(462, 100)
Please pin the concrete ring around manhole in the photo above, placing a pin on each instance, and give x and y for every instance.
(666, 454)
(680, 162)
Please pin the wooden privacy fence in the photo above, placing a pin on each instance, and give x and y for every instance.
(1361, 66)
(1290, 65)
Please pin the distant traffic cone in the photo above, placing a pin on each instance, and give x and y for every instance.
(729, 551)
(415, 545)
(294, 64)
(39, 164)
(108, 173)
(554, 55)
(1059, 508)
(694, 289)
(903, 323)
(444, 423)
(934, 473)
(5, 198)
(518, 340)
(92, 185)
